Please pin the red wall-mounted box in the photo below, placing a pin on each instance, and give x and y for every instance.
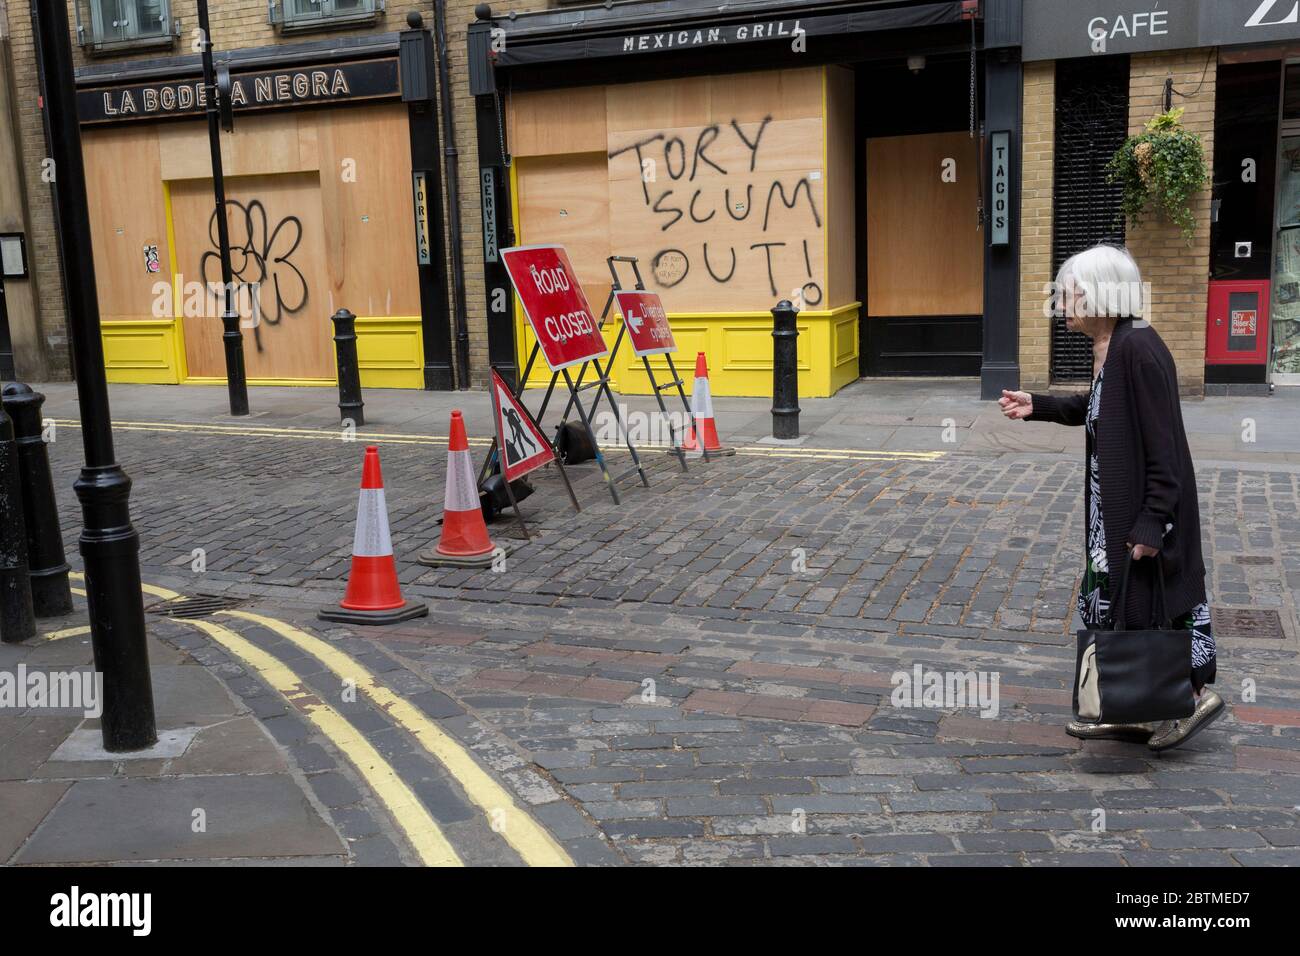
(1236, 322)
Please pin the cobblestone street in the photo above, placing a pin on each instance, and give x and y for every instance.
(704, 673)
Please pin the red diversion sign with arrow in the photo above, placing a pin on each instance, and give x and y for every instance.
(523, 446)
(554, 304)
(646, 322)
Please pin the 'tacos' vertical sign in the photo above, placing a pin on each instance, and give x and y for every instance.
(1000, 188)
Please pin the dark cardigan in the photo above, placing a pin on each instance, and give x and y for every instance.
(1147, 480)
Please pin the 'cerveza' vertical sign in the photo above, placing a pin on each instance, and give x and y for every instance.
(419, 186)
(489, 216)
(1000, 188)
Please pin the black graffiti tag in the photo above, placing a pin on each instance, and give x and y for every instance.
(262, 258)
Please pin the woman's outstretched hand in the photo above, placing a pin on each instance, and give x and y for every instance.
(1141, 551)
(1016, 405)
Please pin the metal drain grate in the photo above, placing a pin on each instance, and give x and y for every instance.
(203, 605)
(1249, 624)
(1257, 560)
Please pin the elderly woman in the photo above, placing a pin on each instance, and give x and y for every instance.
(1140, 496)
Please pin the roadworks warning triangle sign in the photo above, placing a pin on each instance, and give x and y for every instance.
(523, 446)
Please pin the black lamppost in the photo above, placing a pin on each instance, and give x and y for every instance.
(110, 547)
(231, 337)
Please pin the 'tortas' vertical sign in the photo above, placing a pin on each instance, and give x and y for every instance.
(420, 187)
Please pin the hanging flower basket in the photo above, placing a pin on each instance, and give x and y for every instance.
(1161, 170)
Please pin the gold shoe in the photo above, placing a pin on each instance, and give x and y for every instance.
(1175, 732)
(1135, 733)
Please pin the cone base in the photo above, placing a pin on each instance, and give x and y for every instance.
(433, 558)
(722, 451)
(346, 616)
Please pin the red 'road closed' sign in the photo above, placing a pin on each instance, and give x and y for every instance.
(555, 306)
(646, 322)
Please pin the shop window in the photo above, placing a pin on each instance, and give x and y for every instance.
(1091, 124)
(293, 15)
(111, 24)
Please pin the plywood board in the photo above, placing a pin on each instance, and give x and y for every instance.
(554, 122)
(260, 144)
(925, 255)
(681, 101)
(841, 216)
(716, 183)
(563, 200)
(125, 193)
(730, 220)
(278, 239)
(748, 97)
(365, 163)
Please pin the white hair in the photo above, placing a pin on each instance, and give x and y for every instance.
(1108, 281)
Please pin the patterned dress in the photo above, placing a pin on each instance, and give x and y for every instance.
(1094, 593)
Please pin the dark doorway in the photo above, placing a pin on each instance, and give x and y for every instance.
(920, 252)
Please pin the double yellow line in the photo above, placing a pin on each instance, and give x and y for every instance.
(535, 846)
(323, 434)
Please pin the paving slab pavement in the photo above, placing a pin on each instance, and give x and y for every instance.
(894, 414)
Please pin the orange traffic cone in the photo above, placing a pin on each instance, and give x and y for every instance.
(373, 595)
(702, 411)
(464, 542)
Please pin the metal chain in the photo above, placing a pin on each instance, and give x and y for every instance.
(501, 133)
(972, 78)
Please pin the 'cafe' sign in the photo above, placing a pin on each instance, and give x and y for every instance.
(373, 78)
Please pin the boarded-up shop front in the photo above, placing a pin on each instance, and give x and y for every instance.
(728, 190)
(319, 212)
(839, 160)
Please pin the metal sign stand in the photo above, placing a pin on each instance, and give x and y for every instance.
(657, 387)
(602, 383)
(586, 423)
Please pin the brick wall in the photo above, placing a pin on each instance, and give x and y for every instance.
(1036, 221)
(46, 356)
(1178, 272)
(460, 13)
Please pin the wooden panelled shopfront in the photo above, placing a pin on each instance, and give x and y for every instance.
(835, 157)
(320, 216)
(726, 188)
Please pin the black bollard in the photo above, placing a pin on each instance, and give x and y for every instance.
(345, 348)
(51, 593)
(785, 371)
(17, 622)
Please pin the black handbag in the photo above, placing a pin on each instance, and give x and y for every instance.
(1125, 676)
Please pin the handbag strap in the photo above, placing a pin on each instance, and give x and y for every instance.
(1159, 608)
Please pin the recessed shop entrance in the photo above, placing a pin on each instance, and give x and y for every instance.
(921, 253)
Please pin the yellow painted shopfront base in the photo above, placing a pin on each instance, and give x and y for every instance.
(738, 346)
(390, 352)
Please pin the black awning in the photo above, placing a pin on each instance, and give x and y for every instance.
(632, 29)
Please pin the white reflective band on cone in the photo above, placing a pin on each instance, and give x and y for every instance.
(701, 399)
(461, 493)
(371, 539)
